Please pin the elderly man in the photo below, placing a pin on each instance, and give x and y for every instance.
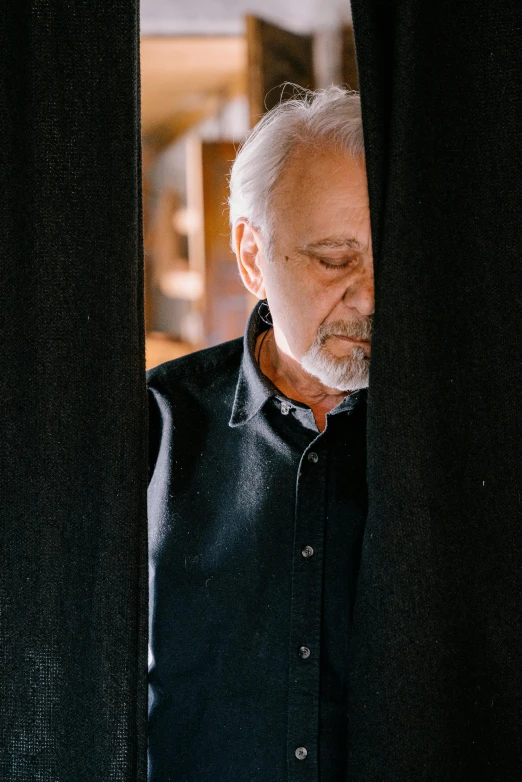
(257, 489)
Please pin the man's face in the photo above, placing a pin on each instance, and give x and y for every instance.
(319, 278)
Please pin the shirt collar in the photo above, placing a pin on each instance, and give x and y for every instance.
(254, 389)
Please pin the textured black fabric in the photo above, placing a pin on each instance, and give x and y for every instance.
(436, 677)
(73, 444)
(242, 483)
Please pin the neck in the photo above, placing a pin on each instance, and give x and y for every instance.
(287, 374)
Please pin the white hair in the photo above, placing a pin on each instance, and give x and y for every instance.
(309, 118)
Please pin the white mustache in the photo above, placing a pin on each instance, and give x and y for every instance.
(360, 330)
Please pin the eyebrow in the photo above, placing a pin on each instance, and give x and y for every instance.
(332, 243)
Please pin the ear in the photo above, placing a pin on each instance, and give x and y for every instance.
(249, 254)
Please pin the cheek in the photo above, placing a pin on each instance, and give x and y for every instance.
(299, 288)
(300, 303)
(285, 282)
(324, 296)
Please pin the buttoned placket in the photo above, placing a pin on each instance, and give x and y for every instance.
(305, 640)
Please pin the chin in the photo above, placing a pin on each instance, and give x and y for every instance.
(346, 373)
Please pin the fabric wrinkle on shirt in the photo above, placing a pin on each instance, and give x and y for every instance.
(255, 528)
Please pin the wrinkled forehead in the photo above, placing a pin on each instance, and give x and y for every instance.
(323, 194)
(312, 165)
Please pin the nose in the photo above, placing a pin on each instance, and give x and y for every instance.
(360, 293)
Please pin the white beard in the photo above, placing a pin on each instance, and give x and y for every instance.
(345, 373)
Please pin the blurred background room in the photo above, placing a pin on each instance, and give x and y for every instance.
(209, 69)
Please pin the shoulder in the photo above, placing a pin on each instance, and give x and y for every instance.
(190, 394)
(221, 362)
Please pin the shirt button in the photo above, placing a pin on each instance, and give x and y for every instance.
(304, 652)
(301, 753)
(307, 552)
(312, 457)
(285, 407)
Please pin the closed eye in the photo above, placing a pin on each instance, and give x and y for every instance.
(335, 265)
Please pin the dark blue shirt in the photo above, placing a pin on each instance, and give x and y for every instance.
(256, 522)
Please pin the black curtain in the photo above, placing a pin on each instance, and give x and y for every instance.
(436, 657)
(72, 448)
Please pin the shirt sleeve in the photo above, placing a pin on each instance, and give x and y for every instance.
(154, 430)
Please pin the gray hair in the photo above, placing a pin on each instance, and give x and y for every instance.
(309, 118)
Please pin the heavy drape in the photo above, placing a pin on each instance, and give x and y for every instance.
(73, 560)
(436, 655)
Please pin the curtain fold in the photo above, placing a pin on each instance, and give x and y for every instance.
(73, 576)
(435, 687)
